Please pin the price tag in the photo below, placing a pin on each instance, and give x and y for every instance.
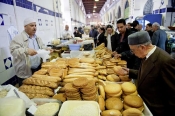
(32, 109)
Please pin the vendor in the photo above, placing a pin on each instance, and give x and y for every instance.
(24, 48)
(77, 33)
(67, 34)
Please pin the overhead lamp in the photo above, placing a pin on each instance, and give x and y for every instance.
(95, 5)
(96, 0)
(93, 10)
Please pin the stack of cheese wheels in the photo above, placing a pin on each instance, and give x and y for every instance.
(132, 101)
(113, 90)
(128, 89)
(114, 104)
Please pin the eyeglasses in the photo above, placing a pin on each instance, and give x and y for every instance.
(134, 50)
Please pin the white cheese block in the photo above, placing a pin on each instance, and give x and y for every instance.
(47, 109)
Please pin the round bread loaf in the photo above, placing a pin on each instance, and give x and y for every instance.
(133, 101)
(128, 87)
(112, 88)
(102, 91)
(80, 82)
(101, 103)
(124, 78)
(87, 60)
(111, 113)
(114, 103)
(113, 78)
(119, 71)
(132, 112)
(127, 107)
(135, 93)
(115, 95)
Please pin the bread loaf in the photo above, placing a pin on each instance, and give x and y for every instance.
(87, 60)
(34, 87)
(119, 70)
(132, 112)
(47, 78)
(33, 91)
(101, 103)
(43, 83)
(31, 95)
(79, 76)
(111, 113)
(74, 70)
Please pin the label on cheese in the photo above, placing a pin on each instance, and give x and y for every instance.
(32, 109)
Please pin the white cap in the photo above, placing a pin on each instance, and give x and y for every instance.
(28, 21)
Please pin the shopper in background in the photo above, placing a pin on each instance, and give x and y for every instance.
(101, 37)
(122, 49)
(128, 26)
(159, 37)
(77, 33)
(24, 48)
(140, 27)
(67, 34)
(111, 38)
(93, 33)
(156, 77)
(149, 29)
(135, 26)
(80, 30)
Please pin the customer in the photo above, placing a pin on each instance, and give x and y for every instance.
(149, 29)
(93, 33)
(77, 33)
(159, 37)
(101, 37)
(24, 48)
(140, 27)
(123, 49)
(67, 34)
(128, 26)
(135, 26)
(156, 77)
(111, 38)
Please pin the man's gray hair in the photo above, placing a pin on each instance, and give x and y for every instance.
(156, 24)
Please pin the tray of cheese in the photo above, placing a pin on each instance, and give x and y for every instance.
(79, 108)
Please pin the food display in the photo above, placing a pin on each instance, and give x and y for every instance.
(47, 109)
(3, 93)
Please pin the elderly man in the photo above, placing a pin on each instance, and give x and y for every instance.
(156, 77)
(159, 37)
(67, 34)
(24, 48)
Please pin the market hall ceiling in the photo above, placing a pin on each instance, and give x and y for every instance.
(89, 5)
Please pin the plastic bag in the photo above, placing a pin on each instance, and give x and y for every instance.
(44, 54)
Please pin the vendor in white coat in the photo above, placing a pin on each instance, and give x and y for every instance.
(24, 48)
(67, 34)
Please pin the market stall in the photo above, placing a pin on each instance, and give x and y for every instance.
(88, 84)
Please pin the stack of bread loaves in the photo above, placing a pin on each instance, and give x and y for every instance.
(113, 90)
(36, 91)
(89, 92)
(71, 92)
(81, 88)
(121, 73)
(128, 89)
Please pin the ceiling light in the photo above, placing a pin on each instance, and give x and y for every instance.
(93, 10)
(96, 0)
(95, 6)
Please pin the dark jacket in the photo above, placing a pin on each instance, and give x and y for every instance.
(101, 39)
(133, 30)
(156, 83)
(159, 38)
(114, 37)
(123, 49)
(93, 33)
(150, 33)
(77, 34)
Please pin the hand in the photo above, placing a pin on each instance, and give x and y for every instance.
(117, 56)
(32, 52)
(126, 69)
(49, 49)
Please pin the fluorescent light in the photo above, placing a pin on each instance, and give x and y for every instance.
(93, 10)
(96, 0)
(95, 6)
